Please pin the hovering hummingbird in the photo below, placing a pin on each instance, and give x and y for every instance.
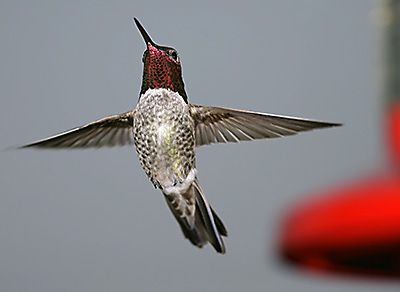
(166, 129)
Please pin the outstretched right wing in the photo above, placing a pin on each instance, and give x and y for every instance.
(108, 131)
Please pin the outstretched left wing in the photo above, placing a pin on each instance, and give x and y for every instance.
(223, 125)
(108, 131)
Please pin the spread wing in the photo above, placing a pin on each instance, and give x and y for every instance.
(109, 131)
(223, 125)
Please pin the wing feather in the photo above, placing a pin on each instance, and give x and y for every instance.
(108, 131)
(222, 125)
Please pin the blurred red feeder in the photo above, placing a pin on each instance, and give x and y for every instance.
(354, 228)
(393, 126)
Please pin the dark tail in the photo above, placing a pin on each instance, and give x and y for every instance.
(208, 227)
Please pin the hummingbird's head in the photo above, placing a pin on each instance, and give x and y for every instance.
(162, 66)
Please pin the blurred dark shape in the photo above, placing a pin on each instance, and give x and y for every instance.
(355, 228)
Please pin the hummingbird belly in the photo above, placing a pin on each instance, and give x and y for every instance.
(163, 132)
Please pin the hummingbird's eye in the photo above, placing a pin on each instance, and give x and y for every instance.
(174, 55)
(144, 56)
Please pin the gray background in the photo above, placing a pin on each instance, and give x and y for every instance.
(90, 220)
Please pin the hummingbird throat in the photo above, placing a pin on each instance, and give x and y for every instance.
(161, 71)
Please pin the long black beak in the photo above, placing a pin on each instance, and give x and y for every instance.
(144, 34)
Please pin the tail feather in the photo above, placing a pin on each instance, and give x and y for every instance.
(207, 227)
(211, 228)
(220, 225)
(194, 233)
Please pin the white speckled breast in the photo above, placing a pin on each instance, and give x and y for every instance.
(163, 130)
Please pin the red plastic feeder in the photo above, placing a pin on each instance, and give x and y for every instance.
(354, 229)
(393, 127)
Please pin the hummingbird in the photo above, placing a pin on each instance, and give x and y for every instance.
(166, 130)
